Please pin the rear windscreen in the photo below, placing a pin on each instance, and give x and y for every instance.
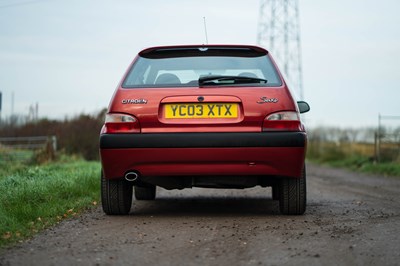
(184, 67)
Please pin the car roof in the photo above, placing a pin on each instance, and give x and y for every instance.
(203, 50)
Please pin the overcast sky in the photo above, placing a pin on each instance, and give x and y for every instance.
(68, 56)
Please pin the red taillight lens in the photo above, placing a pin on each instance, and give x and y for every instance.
(120, 123)
(282, 121)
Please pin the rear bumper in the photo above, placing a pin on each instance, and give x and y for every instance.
(203, 140)
(183, 154)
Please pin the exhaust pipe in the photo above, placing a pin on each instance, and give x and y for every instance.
(132, 176)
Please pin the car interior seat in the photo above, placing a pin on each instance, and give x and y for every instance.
(248, 75)
(167, 78)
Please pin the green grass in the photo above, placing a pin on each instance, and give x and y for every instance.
(354, 156)
(11, 160)
(387, 169)
(35, 197)
(362, 164)
(15, 155)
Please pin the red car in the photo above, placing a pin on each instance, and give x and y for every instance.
(213, 116)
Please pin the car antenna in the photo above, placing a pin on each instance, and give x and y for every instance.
(205, 29)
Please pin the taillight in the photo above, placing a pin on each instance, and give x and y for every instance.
(283, 121)
(120, 123)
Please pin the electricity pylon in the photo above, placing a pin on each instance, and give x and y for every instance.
(279, 33)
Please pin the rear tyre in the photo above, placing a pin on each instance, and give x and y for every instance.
(275, 192)
(145, 193)
(116, 196)
(292, 195)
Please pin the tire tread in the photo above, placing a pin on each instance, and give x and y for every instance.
(292, 195)
(116, 196)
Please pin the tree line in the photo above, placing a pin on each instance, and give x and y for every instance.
(78, 135)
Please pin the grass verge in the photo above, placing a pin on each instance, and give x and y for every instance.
(354, 156)
(362, 164)
(33, 198)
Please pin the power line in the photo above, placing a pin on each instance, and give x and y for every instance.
(279, 32)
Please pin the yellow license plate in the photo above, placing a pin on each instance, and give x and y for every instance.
(201, 110)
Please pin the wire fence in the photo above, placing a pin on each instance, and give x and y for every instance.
(387, 141)
(387, 147)
(23, 148)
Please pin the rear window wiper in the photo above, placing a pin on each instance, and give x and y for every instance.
(229, 80)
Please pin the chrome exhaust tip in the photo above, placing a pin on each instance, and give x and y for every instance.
(132, 176)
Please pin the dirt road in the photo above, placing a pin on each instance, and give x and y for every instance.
(352, 219)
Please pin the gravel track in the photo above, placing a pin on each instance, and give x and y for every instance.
(351, 219)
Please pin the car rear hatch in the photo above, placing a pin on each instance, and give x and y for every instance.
(202, 89)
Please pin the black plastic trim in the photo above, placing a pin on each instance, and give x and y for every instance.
(203, 50)
(202, 140)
